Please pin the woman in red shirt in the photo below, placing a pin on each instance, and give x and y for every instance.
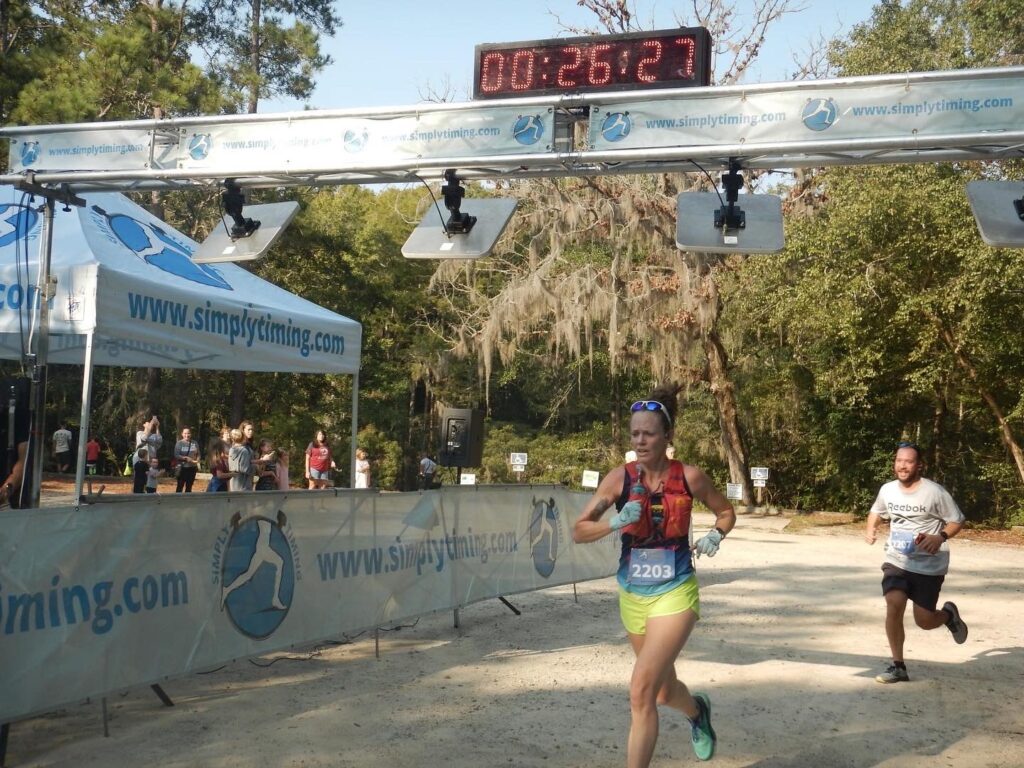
(318, 462)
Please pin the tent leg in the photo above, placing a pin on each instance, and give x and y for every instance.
(355, 430)
(162, 694)
(5, 731)
(83, 429)
(42, 353)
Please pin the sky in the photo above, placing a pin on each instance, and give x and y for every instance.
(396, 52)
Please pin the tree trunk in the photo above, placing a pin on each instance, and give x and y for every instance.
(1005, 430)
(237, 397)
(724, 392)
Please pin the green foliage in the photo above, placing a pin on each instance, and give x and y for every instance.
(553, 458)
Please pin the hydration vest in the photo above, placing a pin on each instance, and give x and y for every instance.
(677, 504)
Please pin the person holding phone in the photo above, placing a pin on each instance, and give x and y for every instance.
(659, 601)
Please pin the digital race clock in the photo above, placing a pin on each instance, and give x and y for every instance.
(668, 58)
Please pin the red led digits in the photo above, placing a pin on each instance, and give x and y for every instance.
(650, 60)
(574, 57)
(522, 70)
(600, 71)
(689, 54)
(491, 80)
(673, 58)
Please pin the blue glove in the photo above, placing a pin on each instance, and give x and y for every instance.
(629, 514)
(708, 543)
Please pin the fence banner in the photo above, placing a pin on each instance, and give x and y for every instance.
(131, 592)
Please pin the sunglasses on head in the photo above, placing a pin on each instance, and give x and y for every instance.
(647, 405)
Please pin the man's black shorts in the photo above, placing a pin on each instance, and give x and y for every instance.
(921, 589)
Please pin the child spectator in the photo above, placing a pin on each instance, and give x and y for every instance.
(140, 469)
(153, 475)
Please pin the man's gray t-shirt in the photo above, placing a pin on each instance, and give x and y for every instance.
(924, 510)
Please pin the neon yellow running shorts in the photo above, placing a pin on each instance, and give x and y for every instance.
(636, 609)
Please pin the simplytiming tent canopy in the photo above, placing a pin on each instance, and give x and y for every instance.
(127, 278)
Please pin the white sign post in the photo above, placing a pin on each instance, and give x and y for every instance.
(590, 478)
(760, 477)
(518, 462)
(734, 491)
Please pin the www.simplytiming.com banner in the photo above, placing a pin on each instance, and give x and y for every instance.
(893, 111)
(132, 592)
(911, 109)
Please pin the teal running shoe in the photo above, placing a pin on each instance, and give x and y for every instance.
(702, 734)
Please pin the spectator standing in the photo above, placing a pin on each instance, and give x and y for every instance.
(318, 461)
(240, 464)
(267, 466)
(140, 470)
(150, 437)
(219, 472)
(62, 447)
(14, 432)
(427, 469)
(92, 455)
(362, 469)
(186, 461)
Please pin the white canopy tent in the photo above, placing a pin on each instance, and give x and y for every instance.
(126, 293)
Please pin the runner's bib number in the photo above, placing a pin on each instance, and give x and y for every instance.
(902, 541)
(651, 566)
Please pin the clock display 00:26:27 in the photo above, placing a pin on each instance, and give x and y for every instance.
(675, 58)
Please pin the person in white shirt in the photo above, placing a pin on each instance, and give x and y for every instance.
(362, 470)
(428, 467)
(922, 518)
(62, 448)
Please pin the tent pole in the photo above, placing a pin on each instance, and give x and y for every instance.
(37, 361)
(83, 429)
(355, 430)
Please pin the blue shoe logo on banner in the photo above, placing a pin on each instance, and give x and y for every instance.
(354, 141)
(29, 152)
(528, 129)
(545, 537)
(616, 126)
(199, 146)
(16, 221)
(820, 114)
(154, 246)
(257, 576)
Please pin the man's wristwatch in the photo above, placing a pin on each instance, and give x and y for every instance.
(720, 531)
(944, 535)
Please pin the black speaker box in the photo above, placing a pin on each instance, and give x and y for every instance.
(462, 438)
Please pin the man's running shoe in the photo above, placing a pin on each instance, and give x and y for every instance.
(893, 674)
(956, 626)
(702, 734)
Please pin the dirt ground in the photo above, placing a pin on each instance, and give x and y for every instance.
(789, 644)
